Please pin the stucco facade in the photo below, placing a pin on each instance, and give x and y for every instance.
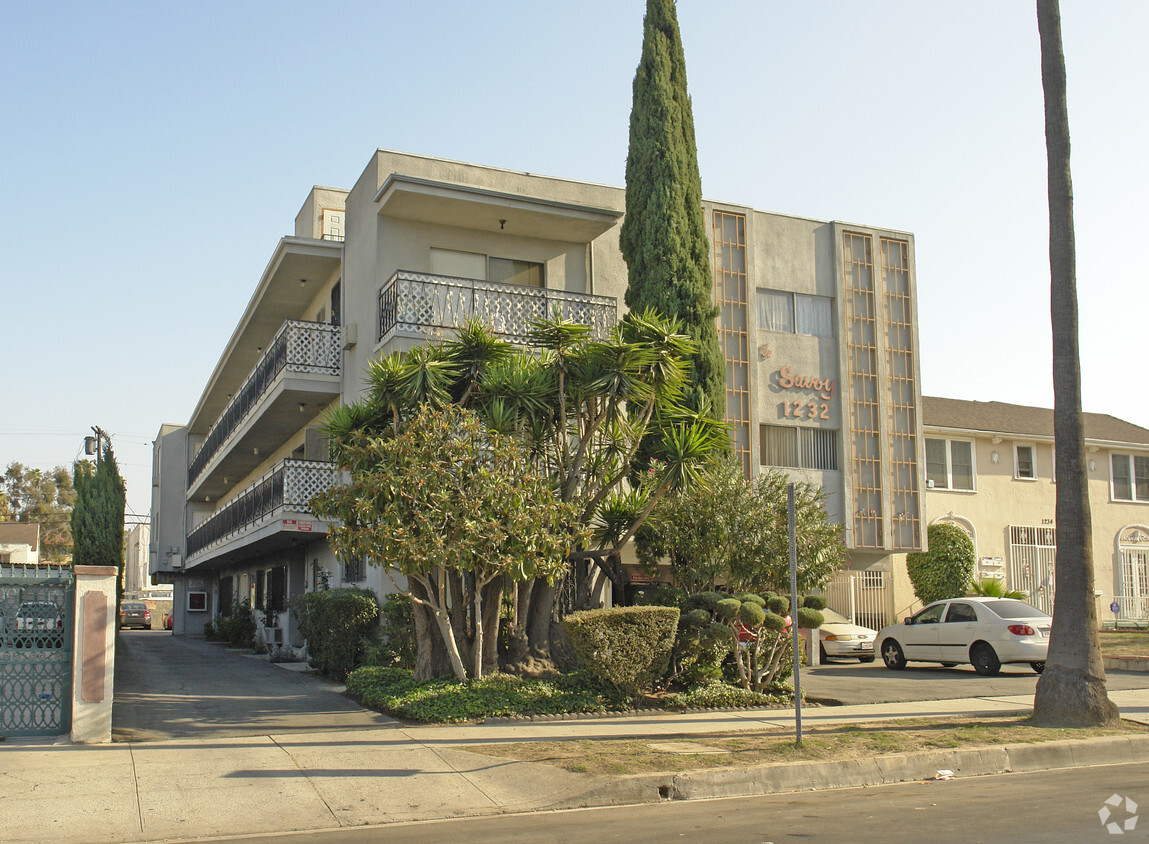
(1005, 499)
(817, 321)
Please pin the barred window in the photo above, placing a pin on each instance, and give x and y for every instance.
(799, 448)
(354, 570)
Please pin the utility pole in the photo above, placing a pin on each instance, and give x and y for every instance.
(94, 445)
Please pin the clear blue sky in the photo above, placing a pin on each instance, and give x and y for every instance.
(152, 154)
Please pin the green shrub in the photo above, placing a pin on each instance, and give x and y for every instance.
(209, 631)
(728, 608)
(659, 595)
(695, 619)
(395, 643)
(628, 647)
(704, 600)
(779, 604)
(724, 696)
(810, 618)
(814, 602)
(335, 623)
(947, 569)
(238, 628)
(751, 614)
(773, 621)
(745, 597)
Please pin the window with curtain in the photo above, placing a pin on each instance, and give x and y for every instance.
(795, 313)
(798, 448)
(949, 464)
(1130, 477)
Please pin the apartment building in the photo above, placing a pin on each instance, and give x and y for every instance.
(990, 471)
(817, 323)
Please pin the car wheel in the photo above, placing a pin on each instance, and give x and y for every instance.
(865, 659)
(985, 661)
(1037, 666)
(822, 657)
(892, 655)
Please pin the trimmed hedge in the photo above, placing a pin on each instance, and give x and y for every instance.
(627, 647)
(335, 623)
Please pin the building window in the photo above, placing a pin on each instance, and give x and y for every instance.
(1024, 462)
(1130, 477)
(795, 313)
(949, 464)
(476, 265)
(260, 577)
(799, 448)
(197, 601)
(354, 570)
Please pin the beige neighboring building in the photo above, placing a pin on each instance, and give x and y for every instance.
(989, 470)
(19, 544)
(136, 559)
(817, 321)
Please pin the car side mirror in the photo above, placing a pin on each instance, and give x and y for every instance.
(909, 620)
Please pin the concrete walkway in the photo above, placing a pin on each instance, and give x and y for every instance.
(330, 778)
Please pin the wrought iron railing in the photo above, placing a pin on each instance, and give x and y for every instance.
(1132, 611)
(423, 303)
(298, 347)
(289, 486)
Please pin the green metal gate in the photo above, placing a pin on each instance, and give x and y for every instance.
(37, 612)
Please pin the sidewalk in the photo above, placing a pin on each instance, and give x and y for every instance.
(145, 791)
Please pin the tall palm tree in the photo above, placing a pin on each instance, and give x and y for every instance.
(1071, 691)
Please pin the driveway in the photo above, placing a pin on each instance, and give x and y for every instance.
(178, 687)
(854, 682)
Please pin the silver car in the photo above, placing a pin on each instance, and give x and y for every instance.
(985, 632)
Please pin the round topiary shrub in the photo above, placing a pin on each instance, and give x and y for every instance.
(810, 618)
(745, 597)
(750, 614)
(814, 602)
(696, 619)
(728, 608)
(705, 601)
(773, 621)
(778, 605)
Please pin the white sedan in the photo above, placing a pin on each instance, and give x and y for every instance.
(986, 632)
(842, 638)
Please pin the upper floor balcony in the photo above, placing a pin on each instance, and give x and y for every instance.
(301, 367)
(420, 305)
(266, 512)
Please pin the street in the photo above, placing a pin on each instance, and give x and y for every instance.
(851, 682)
(1050, 807)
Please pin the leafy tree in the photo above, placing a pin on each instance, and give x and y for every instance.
(663, 236)
(98, 515)
(732, 529)
(455, 508)
(947, 569)
(580, 407)
(1071, 690)
(33, 495)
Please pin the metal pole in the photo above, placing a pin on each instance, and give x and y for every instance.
(792, 530)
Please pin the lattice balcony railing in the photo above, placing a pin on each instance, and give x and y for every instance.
(298, 346)
(289, 486)
(422, 303)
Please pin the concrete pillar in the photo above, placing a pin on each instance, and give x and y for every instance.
(93, 654)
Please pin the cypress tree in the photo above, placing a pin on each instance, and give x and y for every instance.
(663, 237)
(98, 514)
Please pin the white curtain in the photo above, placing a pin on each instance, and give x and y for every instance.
(775, 311)
(814, 315)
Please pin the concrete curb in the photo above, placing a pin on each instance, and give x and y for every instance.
(1139, 664)
(881, 770)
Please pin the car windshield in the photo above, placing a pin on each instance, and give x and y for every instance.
(1008, 608)
(135, 607)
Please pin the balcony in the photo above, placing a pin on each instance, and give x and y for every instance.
(249, 518)
(310, 353)
(421, 305)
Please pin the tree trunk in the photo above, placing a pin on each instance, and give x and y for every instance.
(1071, 691)
(431, 659)
(492, 611)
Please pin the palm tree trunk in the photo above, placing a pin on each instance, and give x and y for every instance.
(1071, 692)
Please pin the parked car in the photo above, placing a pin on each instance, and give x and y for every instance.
(37, 624)
(840, 637)
(985, 632)
(169, 622)
(135, 614)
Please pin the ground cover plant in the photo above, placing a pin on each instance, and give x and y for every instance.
(841, 742)
(395, 691)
